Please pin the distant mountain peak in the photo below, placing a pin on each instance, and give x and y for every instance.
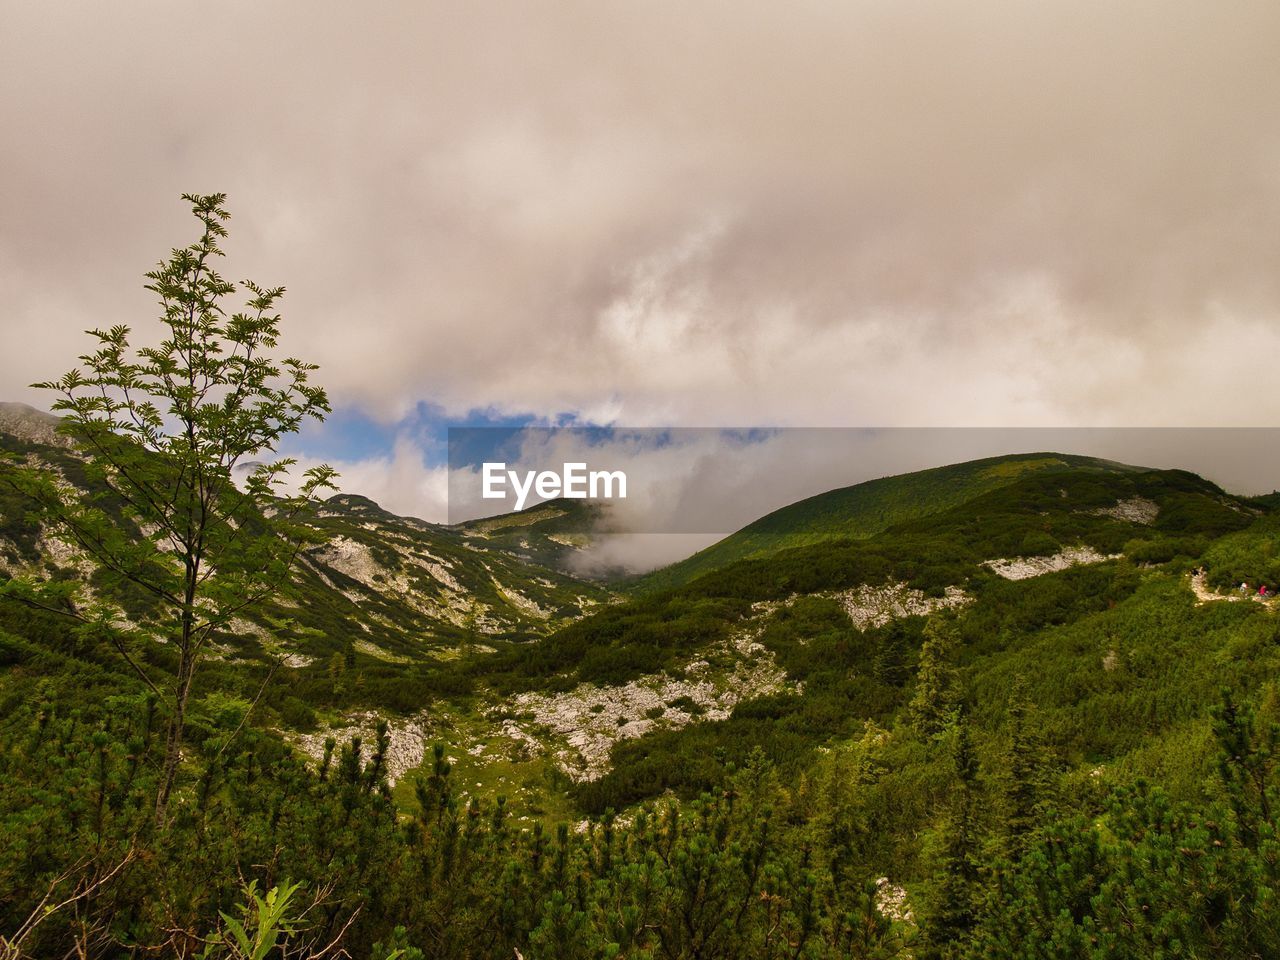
(27, 423)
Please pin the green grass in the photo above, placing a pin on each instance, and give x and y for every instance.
(534, 789)
(865, 509)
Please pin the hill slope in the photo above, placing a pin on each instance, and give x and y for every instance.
(392, 589)
(843, 619)
(548, 533)
(865, 509)
(1013, 703)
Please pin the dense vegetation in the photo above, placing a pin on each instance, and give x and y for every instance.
(1078, 764)
(1018, 856)
(1005, 713)
(1035, 516)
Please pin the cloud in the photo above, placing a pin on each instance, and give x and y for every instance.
(672, 214)
(663, 213)
(400, 482)
(636, 552)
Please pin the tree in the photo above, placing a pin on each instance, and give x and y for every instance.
(164, 429)
(1248, 749)
(935, 695)
(958, 881)
(1024, 770)
(891, 658)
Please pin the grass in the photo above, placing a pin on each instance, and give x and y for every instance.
(533, 786)
(864, 510)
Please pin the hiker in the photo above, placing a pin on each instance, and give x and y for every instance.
(1244, 589)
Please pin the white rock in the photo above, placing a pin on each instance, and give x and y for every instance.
(870, 606)
(1023, 568)
(583, 723)
(1135, 510)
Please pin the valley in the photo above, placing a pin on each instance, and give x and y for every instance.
(844, 654)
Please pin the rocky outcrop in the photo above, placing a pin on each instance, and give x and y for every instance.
(579, 728)
(405, 749)
(1023, 568)
(874, 606)
(1134, 510)
(34, 426)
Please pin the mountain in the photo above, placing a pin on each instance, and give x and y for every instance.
(434, 584)
(28, 423)
(392, 589)
(865, 509)
(1042, 711)
(804, 629)
(549, 533)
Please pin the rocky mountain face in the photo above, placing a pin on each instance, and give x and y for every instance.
(396, 589)
(549, 533)
(567, 697)
(27, 423)
(1066, 629)
(435, 583)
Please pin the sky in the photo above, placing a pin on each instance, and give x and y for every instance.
(667, 213)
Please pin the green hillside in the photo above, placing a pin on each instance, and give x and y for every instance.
(393, 598)
(1038, 721)
(1122, 529)
(549, 533)
(863, 510)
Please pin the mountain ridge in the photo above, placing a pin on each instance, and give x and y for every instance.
(1052, 641)
(863, 509)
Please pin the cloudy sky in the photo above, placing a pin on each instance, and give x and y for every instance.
(686, 214)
